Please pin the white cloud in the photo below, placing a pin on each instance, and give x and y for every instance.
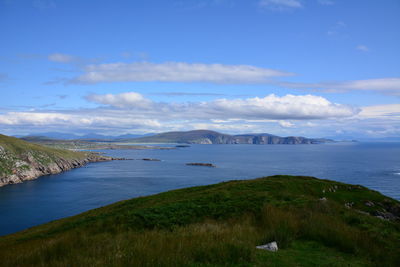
(33, 118)
(285, 107)
(280, 4)
(131, 111)
(383, 85)
(268, 107)
(362, 48)
(306, 115)
(390, 85)
(381, 111)
(62, 58)
(310, 124)
(124, 100)
(84, 118)
(286, 124)
(176, 72)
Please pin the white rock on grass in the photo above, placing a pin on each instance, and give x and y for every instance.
(273, 246)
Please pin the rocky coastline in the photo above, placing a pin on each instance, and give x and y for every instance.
(29, 168)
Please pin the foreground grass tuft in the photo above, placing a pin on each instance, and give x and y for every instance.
(220, 225)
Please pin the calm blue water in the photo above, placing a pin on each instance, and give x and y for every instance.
(375, 165)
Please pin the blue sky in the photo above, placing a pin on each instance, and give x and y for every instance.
(288, 67)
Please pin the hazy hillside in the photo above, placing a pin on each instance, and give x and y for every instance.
(20, 160)
(69, 136)
(315, 223)
(212, 137)
(198, 137)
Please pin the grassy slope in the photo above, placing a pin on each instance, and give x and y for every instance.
(220, 225)
(17, 149)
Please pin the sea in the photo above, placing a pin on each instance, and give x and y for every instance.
(374, 165)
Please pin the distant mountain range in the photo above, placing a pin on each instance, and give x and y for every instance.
(212, 137)
(189, 137)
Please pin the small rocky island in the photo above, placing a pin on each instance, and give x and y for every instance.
(21, 161)
(201, 164)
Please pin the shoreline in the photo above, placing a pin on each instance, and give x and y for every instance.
(37, 169)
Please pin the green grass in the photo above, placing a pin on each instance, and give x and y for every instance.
(19, 147)
(220, 225)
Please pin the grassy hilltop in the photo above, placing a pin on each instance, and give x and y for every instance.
(315, 223)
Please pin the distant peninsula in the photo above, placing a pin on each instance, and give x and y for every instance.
(21, 160)
(212, 137)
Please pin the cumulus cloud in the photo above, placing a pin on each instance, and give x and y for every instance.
(176, 72)
(221, 115)
(280, 4)
(285, 107)
(61, 58)
(372, 122)
(132, 110)
(383, 85)
(307, 115)
(268, 107)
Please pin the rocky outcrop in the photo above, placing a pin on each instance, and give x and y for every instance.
(268, 139)
(31, 166)
(273, 246)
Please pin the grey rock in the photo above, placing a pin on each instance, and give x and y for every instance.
(349, 205)
(27, 167)
(385, 215)
(273, 246)
(369, 203)
(201, 164)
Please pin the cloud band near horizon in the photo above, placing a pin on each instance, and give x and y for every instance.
(131, 112)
